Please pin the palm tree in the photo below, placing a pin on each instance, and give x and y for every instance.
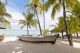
(76, 13)
(28, 21)
(3, 11)
(73, 25)
(46, 32)
(34, 6)
(4, 14)
(43, 14)
(61, 27)
(55, 30)
(57, 4)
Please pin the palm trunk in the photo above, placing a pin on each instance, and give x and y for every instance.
(43, 16)
(65, 23)
(77, 34)
(28, 10)
(27, 30)
(38, 22)
(71, 35)
(62, 34)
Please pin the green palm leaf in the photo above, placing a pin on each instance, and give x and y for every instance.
(8, 15)
(28, 20)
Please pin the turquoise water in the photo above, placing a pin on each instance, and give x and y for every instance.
(8, 32)
(18, 32)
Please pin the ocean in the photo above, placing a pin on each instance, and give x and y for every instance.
(8, 32)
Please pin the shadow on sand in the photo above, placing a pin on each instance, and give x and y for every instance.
(27, 47)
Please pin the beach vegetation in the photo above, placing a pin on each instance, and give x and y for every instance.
(28, 21)
(35, 7)
(65, 4)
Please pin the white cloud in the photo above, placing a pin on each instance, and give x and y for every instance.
(48, 20)
(3, 0)
(16, 16)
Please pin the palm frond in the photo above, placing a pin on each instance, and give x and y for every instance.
(53, 12)
(8, 15)
(48, 4)
(28, 21)
(2, 9)
(22, 21)
(56, 8)
(6, 23)
(23, 25)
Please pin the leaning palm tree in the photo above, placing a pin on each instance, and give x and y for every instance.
(28, 21)
(34, 7)
(57, 4)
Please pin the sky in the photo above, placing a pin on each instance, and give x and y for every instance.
(16, 7)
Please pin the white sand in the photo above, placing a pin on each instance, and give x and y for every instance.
(26, 47)
(75, 44)
(10, 38)
(12, 45)
(14, 38)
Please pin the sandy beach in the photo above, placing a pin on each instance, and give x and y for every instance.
(10, 38)
(39, 26)
(13, 45)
